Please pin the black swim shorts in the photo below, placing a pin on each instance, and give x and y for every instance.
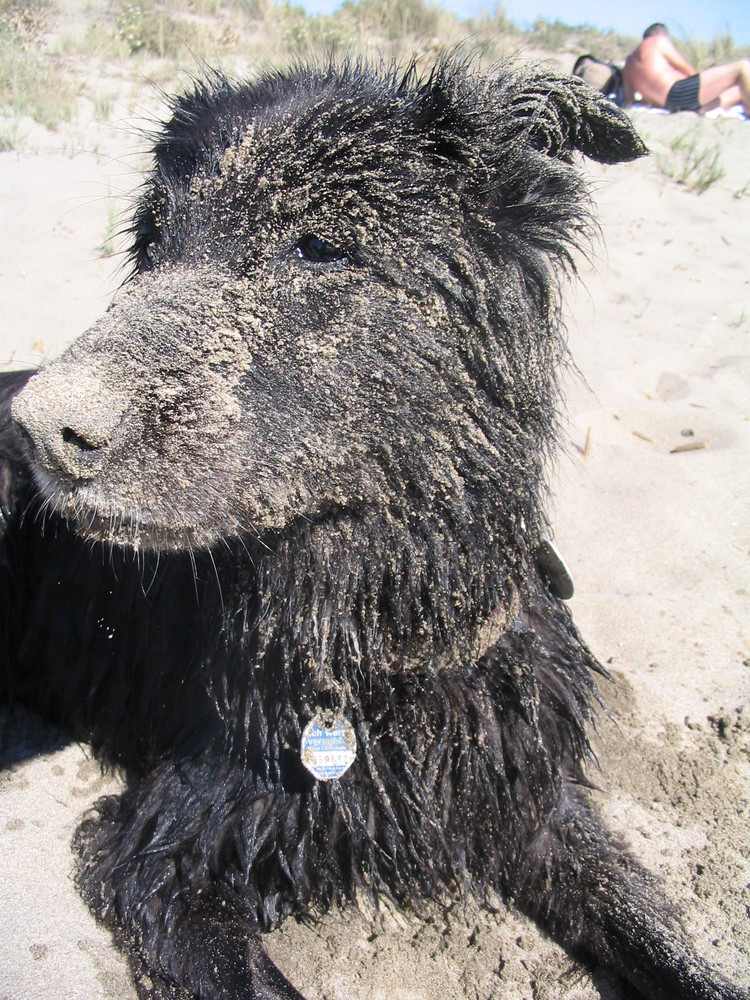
(683, 95)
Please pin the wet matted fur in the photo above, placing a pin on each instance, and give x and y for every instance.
(298, 468)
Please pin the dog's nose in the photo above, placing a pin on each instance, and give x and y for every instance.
(67, 422)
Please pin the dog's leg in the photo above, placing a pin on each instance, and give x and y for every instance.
(149, 870)
(600, 903)
(213, 954)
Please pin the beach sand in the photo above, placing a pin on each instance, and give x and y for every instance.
(657, 541)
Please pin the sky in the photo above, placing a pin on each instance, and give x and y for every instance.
(685, 18)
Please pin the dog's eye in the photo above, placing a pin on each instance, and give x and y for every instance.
(313, 248)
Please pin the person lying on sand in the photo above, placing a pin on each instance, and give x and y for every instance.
(656, 74)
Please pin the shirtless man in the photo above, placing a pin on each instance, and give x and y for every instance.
(657, 74)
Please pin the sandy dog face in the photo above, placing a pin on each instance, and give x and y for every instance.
(324, 287)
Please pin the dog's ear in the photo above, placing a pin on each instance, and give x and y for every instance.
(560, 115)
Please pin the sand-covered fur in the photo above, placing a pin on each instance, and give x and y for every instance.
(298, 468)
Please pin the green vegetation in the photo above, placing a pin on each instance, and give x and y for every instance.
(387, 25)
(145, 26)
(721, 49)
(31, 83)
(107, 246)
(557, 36)
(42, 51)
(26, 20)
(8, 137)
(32, 86)
(691, 164)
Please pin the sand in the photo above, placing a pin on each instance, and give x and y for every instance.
(657, 541)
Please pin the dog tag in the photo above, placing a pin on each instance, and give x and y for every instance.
(552, 567)
(328, 747)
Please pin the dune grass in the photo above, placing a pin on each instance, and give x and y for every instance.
(41, 60)
(31, 82)
(720, 49)
(691, 163)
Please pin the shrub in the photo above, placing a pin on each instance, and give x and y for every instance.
(690, 164)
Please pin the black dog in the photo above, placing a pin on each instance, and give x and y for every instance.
(271, 529)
